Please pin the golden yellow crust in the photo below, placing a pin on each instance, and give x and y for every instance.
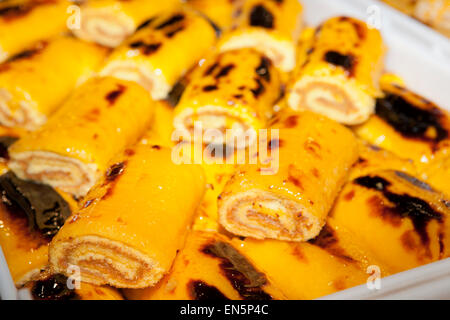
(338, 70)
(271, 27)
(34, 83)
(158, 54)
(110, 22)
(288, 194)
(24, 22)
(210, 268)
(74, 147)
(128, 237)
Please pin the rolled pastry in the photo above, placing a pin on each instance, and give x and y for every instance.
(435, 13)
(35, 82)
(73, 148)
(271, 27)
(288, 194)
(110, 22)
(132, 223)
(408, 125)
(305, 270)
(397, 217)
(232, 91)
(220, 12)
(23, 22)
(60, 287)
(30, 216)
(210, 268)
(162, 51)
(338, 70)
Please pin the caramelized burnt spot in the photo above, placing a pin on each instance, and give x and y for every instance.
(145, 24)
(211, 69)
(45, 209)
(263, 69)
(53, 288)
(402, 206)
(29, 53)
(224, 71)
(259, 88)
(115, 171)
(115, 94)
(11, 12)
(328, 241)
(410, 120)
(172, 20)
(239, 271)
(173, 32)
(145, 48)
(261, 17)
(210, 88)
(5, 143)
(347, 62)
(175, 94)
(199, 290)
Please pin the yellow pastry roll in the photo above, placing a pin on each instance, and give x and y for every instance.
(233, 91)
(288, 194)
(132, 223)
(60, 287)
(271, 27)
(372, 158)
(338, 70)
(400, 219)
(210, 268)
(30, 216)
(408, 125)
(35, 82)
(220, 12)
(158, 54)
(109, 22)
(435, 13)
(23, 22)
(305, 270)
(72, 150)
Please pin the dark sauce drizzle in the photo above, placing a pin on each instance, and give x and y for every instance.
(199, 290)
(261, 17)
(53, 288)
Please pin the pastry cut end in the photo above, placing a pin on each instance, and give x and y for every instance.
(68, 174)
(335, 98)
(218, 125)
(263, 215)
(104, 26)
(130, 71)
(19, 114)
(104, 262)
(282, 53)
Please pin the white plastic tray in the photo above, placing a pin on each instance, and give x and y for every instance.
(421, 57)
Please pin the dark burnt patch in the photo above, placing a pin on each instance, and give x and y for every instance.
(174, 96)
(260, 16)
(346, 61)
(243, 276)
(5, 143)
(145, 24)
(11, 12)
(327, 240)
(260, 88)
(145, 48)
(115, 171)
(112, 96)
(199, 290)
(400, 206)
(53, 288)
(210, 88)
(45, 209)
(211, 69)
(224, 71)
(410, 120)
(290, 122)
(29, 53)
(170, 21)
(173, 32)
(263, 69)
